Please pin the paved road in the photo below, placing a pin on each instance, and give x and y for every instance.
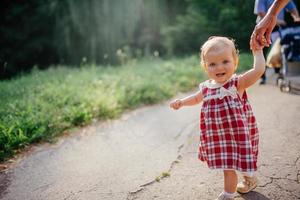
(278, 115)
(103, 161)
(120, 159)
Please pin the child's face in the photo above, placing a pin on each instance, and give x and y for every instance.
(220, 64)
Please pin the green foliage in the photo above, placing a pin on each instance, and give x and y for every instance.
(40, 106)
(186, 35)
(245, 62)
(68, 32)
(231, 18)
(26, 36)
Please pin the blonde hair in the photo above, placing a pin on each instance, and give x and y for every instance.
(214, 42)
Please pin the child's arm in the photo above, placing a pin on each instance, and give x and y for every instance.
(250, 77)
(187, 101)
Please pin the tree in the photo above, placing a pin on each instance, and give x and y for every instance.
(210, 17)
(70, 32)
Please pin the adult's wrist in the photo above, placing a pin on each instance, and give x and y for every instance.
(272, 13)
(274, 10)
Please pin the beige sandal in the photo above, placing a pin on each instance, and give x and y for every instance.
(249, 184)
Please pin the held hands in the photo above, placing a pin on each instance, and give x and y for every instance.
(256, 44)
(261, 35)
(176, 104)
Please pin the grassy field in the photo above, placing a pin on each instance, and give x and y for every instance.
(41, 105)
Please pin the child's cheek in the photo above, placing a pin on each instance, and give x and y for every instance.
(210, 69)
(230, 67)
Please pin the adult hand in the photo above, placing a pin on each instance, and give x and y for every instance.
(255, 45)
(263, 30)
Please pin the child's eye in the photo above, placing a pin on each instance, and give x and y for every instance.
(212, 64)
(225, 61)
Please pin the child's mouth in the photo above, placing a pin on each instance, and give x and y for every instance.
(220, 74)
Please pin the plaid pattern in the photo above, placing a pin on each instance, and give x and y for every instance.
(228, 130)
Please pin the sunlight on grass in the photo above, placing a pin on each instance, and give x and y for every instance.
(40, 106)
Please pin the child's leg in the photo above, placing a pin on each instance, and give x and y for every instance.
(230, 181)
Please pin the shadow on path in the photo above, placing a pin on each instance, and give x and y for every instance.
(254, 196)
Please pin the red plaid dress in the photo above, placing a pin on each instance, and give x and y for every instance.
(228, 130)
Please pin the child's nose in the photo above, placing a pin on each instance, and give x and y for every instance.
(219, 66)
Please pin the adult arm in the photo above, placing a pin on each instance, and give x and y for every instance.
(264, 28)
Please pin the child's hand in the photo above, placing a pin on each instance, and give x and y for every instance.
(256, 45)
(263, 42)
(176, 104)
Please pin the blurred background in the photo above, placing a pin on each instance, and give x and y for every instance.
(41, 33)
(67, 63)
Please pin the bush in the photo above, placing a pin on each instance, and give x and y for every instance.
(40, 106)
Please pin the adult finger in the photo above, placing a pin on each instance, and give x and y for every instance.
(268, 36)
(259, 37)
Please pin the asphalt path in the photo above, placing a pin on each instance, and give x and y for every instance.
(125, 158)
(106, 160)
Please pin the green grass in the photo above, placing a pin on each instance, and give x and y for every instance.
(40, 106)
(245, 62)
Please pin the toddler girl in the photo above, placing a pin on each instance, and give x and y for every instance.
(228, 131)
